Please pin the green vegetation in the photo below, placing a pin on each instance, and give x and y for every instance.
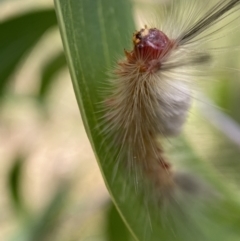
(94, 34)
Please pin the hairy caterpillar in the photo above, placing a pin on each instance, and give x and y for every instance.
(150, 93)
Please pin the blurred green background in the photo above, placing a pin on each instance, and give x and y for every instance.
(51, 187)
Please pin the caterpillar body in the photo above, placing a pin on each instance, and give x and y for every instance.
(150, 93)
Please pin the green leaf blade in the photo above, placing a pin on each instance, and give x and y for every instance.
(90, 51)
(93, 34)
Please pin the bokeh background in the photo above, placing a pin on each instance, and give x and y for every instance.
(50, 184)
(51, 187)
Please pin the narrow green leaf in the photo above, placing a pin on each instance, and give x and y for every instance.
(14, 181)
(18, 36)
(52, 67)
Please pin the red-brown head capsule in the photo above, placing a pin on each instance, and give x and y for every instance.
(150, 45)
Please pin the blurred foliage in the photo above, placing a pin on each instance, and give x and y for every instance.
(15, 183)
(49, 70)
(97, 30)
(19, 35)
(40, 227)
(226, 95)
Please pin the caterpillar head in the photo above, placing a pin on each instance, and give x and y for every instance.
(150, 47)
